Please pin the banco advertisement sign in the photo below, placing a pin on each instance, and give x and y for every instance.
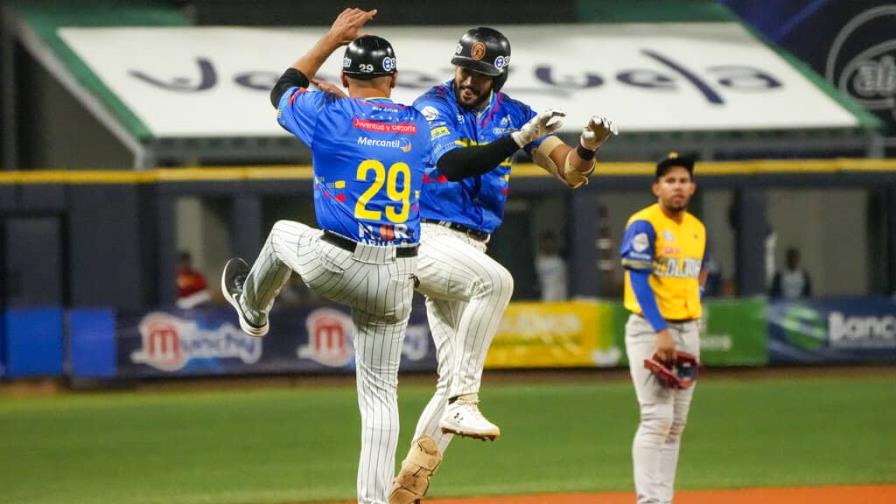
(833, 330)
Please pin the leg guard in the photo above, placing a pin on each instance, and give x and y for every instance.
(416, 472)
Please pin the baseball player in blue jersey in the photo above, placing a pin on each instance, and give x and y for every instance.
(369, 155)
(475, 129)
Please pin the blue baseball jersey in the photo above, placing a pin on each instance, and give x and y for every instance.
(369, 158)
(476, 202)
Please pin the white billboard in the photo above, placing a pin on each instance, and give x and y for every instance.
(215, 81)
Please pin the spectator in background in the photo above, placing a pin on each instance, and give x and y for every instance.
(771, 243)
(714, 283)
(191, 285)
(550, 268)
(792, 282)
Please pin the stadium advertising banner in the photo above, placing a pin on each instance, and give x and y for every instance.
(556, 334)
(733, 332)
(833, 330)
(852, 44)
(318, 338)
(208, 341)
(215, 82)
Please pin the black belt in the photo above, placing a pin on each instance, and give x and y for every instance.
(350, 245)
(472, 233)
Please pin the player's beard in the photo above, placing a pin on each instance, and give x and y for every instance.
(476, 99)
(677, 205)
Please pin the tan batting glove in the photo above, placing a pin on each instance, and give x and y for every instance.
(543, 124)
(596, 132)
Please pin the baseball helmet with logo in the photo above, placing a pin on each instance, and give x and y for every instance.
(484, 50)
(368, 57)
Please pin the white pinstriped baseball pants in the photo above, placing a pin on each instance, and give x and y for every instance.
(466, 295)
(378, 287)
(664, 412)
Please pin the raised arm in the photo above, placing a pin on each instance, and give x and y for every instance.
(478, 159)
(345, 28)
(574, 165)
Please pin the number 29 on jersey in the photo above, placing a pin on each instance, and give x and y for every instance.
(376, 173)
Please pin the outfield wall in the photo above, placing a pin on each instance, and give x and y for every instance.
(317, 338)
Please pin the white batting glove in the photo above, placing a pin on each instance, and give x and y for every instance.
(543, 124)
(596, 132)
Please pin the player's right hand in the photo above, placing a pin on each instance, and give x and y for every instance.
(348, 24)
(665, 345)
(544, 123)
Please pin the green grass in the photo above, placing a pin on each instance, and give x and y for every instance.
(281, 445)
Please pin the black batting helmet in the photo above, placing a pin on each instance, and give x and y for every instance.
(368, 57)
(484, 50)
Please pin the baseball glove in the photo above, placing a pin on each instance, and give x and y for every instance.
(679, 373)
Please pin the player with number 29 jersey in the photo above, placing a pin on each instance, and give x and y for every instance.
(367, 157)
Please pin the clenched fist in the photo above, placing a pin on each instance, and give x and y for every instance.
(543, 124)
(596, 132)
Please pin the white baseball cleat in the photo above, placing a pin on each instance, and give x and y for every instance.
(232, 279)
(463, 418)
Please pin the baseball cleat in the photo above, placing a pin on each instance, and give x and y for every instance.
(232, 279)
(463, 418)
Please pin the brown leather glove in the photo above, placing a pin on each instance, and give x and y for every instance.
(679, 373)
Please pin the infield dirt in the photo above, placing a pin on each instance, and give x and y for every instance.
(864, 494)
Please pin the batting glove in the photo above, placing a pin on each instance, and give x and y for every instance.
(596, 132)
(543, 124)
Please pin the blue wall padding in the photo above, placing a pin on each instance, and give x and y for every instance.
(2, 345)
(33, 341)
(92, 337)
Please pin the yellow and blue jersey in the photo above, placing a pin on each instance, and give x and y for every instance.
(476, 202)
(673, 253)
(369, 158)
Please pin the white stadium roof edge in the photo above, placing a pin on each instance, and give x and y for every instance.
(177, 94)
